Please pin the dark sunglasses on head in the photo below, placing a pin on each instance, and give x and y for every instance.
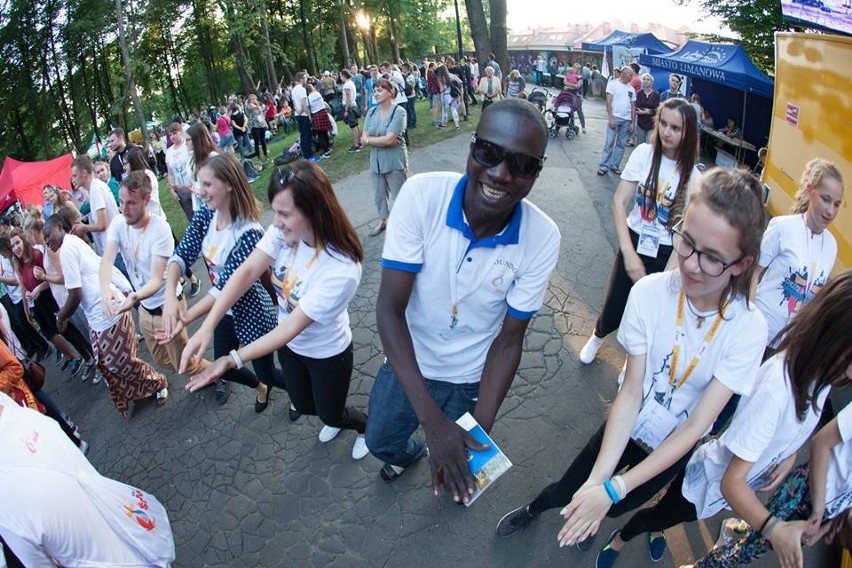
(519, 165)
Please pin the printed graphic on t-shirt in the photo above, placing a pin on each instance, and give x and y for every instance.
(645, 202)
(288, 287)
(213, 269)
(797, 289)
(662, 392)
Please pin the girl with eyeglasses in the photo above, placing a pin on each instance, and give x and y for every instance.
(315, 256)
(654, 185)
(692, 340)
(759, 448)
(224, 231)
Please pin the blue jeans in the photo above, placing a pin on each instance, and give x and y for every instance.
(392, 420)
(304, 124)
(616, 140)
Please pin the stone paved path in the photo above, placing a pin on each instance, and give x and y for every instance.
(256, 490)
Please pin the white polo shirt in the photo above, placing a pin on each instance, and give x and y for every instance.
(485, 279)
(319, 282)
(138, 247)
(765, 431)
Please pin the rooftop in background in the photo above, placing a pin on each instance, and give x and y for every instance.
(572, 37)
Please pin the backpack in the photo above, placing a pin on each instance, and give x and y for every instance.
(249, 169)
(455, 87)
(409, 85)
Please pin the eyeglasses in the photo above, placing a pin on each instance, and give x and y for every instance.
(490, 154)
(709, 264)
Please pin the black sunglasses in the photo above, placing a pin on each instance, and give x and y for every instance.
(490, 154)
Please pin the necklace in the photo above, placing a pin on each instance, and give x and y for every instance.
(699, 316)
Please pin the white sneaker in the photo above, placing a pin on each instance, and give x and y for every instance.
(84, 447)
(328, 433)
(359, 448)
(590, 349)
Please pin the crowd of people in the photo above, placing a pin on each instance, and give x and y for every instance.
(718, 316)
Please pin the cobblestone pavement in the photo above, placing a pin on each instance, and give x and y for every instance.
(244, 489)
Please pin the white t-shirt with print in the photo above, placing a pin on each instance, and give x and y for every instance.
(764, 431)
(319, 282)
(177, 158)
(637, 169)
(300, 97)
(138, 247)
(648, 327)
(60, 294)
(8, 271)
(485, 282)
(349, 86)
(798, 263)
(838, 489)
(217, 246)
(623, 97)
(100, 197)
(81, 266)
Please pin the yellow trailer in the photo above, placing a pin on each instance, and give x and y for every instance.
(811, 117)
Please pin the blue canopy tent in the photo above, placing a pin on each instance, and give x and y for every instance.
(710, 65)
(646, 41)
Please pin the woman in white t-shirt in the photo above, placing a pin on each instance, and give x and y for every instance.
(692, 340)
(798, 252)
(315, 256)
(351, 113)
(758, 449)
(655, 184)
(200, 146)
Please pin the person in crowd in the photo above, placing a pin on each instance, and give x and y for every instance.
(655, 185)
(56, 198)
(113, 336)
(315, 256)
(270, 114)
(351, 110)
(455, 69)
(179, 170)
(384, 126)
(255, 111)
(159, 148)
(574, 82)
(410, 91)
(513, 84)
(620, 109)
(226, 134)
(358, 81)
(223, 233)
(146, 242)
(798, 251)
(102, 172)
(201, 147)
(38, 464)
(675, 82)
(117, 144)
(451, 92)
(647, 101)
(321, 121)
(435, 91)
(695, 101)
(240, 129)
(452, 338)
(707, 119)
(489, 88)
(693, 340)
(731, 130)
(103, 207)
(28, 260)
(758, 449)
(302, 114)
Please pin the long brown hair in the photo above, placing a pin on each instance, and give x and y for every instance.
(243, 204)
(202, 145)
(817, 345)
(736, 195)
(815, 172)
(687, 154)
(29, 252)
(314, 197)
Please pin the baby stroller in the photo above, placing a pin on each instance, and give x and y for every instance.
(562, 114)
(538, 97)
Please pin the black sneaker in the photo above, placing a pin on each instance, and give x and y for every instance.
(89, 370)
(66, 363)
(389, 472)
(223, 391)
(75, 366)
(515, 521)
(194, 288)
(352, 149)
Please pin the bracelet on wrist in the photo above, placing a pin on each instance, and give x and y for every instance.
(763, 526)
(619, 484)
(610, 490)
(769, 527)
(238, 361)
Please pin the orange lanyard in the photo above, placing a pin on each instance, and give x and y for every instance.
(290, 278)
(708, 339)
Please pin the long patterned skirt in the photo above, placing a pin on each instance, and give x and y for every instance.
(128, 377)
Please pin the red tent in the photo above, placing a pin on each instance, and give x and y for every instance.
(25, 181)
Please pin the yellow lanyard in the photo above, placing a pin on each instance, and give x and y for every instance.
(708, 339)
(291, 278)
(137, 245)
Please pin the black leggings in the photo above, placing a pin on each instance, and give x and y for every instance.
(224, 340)
(560, 493)
(259, 137)
(319, 387)
(620, 285)
(45, 314)
(671, 510)
(31, 341)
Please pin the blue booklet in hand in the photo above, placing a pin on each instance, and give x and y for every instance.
(487, 465)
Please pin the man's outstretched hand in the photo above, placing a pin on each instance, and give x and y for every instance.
(447, 442)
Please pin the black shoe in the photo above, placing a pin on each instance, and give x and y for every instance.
(294, 415)
(515, 521)
(223, 391)
(194, 288)
(261, 406)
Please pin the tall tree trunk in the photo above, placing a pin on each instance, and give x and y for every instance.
(246, 80)
(271, 78)
(499, 34)
(393, 31)
(306, 39)
(87, 90)
(128, 70)
(344, 39)
(478, 31)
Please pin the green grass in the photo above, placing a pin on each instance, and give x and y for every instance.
(341, 165)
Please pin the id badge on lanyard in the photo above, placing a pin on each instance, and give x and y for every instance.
(653, 425)
(649, 239)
